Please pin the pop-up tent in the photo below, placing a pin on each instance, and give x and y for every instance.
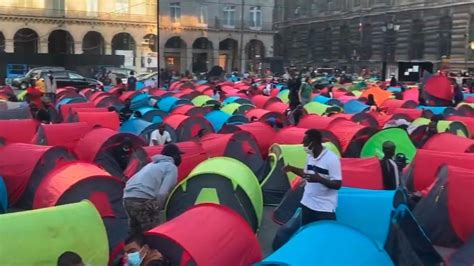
(380, 96)
(236, 108)
(187, 127)
(447, 212)
(204, 100)
(463, 255)
(391, 105)
(362, 173)
(73, 227)
(315, 244)
(368, 119)
(14, 113)
(438, 90)
(422, 172)
(240, 145)
(3, 196)
(467, 121)
(193, 237)
(262, 101)
(63, 134)
(77, 181)
(261, 132)
(151, 114)
(355, 106)
(65, 109)
(449, 143)
(98, 147)
(263, 115)
(317, 121)
(352, 136)
(193, 155)
(103, 119)
(223, 181)
(167, 104)
(143, 129)
(24, 166)
(373, 147)
(219, 118)
(190, 110)
(295, 135)
(23, 131)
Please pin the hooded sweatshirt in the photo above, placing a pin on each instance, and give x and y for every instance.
(154, 181)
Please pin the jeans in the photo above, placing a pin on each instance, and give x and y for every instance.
(310, 216)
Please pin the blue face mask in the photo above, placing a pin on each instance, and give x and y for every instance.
(134, 259)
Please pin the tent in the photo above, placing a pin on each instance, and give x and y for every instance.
(362, 173)
(77, 181)
(317, 122)
(315, 244)
(187, 127)
(369, 119)
(193, 155)
(108, 101)
(223, 181)
(319, 108)
(422, 172)
(391, 105)
(447, 212)
(23, 131)
(103, 119)
(380, 95)
(65, 109)
(219, 118)
(167, 104)
(3, 196)
(264, 115)
(439, 91)
(295, 135)
(98, 145)
(454, 127)
(261, 132)
(236, 108)
(236, 99)
(278, 107)
(355, 106)
(204, 100)
(467, 121)
(143, 129)
(412, 113)
(463, 255)
(465, 109)
(449, 143)
(327, 100)
(352, 136)
(190, 110)
(23, 176)
(15, 113)
(262, 101)
(64, 134)
(151, 114)
(373, 147)
(239, 145)
(207, 234)
(77, 101)
(61, 228)
(407, 243)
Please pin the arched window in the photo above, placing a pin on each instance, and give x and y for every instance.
(445, 27)
(417, 40)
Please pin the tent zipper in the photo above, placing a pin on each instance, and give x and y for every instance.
(440, 191)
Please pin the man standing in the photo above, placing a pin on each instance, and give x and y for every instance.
(50, 86)
(146, 192)
(390, 172)
(132, 82)
(323, 179)
(160, 136)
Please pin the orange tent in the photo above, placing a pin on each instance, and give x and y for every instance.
(379, 95)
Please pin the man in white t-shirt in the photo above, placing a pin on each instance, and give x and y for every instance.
(160, 136)
(323, 179)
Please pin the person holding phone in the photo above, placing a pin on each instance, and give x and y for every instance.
(323, 179)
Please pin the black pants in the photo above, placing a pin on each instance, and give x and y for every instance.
(309, 216)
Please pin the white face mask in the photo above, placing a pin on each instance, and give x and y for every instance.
(308, 150)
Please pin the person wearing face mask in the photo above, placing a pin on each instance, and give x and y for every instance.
(390, 171)
(160, 136)
(138, 253)
(146, 192)
(323, 179)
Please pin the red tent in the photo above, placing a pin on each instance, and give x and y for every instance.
(449, 143)
(317, 121)
(22, 131)
(188, 127)
(107, 101)
(98, 94)
(362, 173)
(468, 121)
(23, 167)
(263, 115)
(65, 109)
(193, 155)
(206, 234)
(262, 101)
(411, 95)
(426, 164)
(440, 87)
(277, 107)
(412, 113)
(352, 136)
(295, 135)
(128, 95)
(261, 132)
(104, 119)
(391, 105)
(65, 134)
(190, 110)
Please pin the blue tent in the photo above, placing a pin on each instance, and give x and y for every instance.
(236, 99)
(355, 106)
(321, 99)
(367, 210)
(167, 104)
(329, 243)
(437, 110)
(151, 114)
(394, 89)
(218, 119)
(467, 95)
(140, 100)
(142, 128)
(3, 196)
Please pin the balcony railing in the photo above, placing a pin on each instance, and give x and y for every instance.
(73, 14)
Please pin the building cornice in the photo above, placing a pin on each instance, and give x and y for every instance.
(216, 30)
(59, 20)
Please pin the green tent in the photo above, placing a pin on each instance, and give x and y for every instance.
(316, 108)
(277, 182)
(283, 95)
(220, 180)
(454, 127)
(373, 146)
(236, 108)
(39, 237)
(203, 100)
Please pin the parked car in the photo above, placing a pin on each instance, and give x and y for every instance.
(24, 81)
(68, 78)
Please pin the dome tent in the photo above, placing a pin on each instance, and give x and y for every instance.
(63, 134)
(373, 147)
(206, 234)
(149, 114)
(449, 143)
(62, 230)
(188, 127)
(23, 177)
(143, 129)
(223, 181)
(219, 118)
(3, 196)
(23, 131)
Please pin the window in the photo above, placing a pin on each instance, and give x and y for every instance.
(175, 12)
(203, 16)
(255, 17)
(344, 43)
(59, 7)
(229, 16)
(445, 27)
(471, 38)
(366, 42)
(417, 42)
(122, 6)
(327, 43)
(75, 76)
(92, 8)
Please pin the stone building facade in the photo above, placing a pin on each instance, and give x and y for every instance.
(102, 27)
(356, 34)
(198, 34)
